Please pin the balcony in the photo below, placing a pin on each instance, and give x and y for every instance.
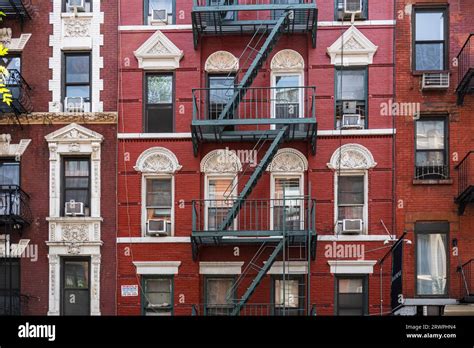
(467, 281)
(465, 70)
(257, 221)
(465, 182)
(221, 17)
(20, 91)
(19, 9)
(255, 113)
(250, 309)
(14, 206)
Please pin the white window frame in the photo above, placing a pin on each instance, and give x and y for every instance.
(273, 178)
(146, 177)
(300, 76)
(365, 210)
(207, 179)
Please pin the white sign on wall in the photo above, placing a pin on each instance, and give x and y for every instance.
(129, 290)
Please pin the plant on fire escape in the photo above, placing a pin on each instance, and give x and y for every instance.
(6, 94)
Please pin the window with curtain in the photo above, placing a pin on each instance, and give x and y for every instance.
(158, 296)
(159, 201)
(289, 295)
(76, 185)
(431, 264)
(350, 198)
(159, 11)
(159, 107)
(288, 97)
(430, 39)
(9, 183)
(351, 292)
(68, 5)
(219, 200)
(77, 80)
(219, 296)
(431, 145)
(287, 204)
(351, 94)
(221, 90)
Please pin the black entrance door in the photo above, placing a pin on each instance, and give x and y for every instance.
(76, 286)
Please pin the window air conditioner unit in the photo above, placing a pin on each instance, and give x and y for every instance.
(158, 227)
(352, 6)
(78, 5)
(351, 121)
(159, 16)
(435, 81)
(352, 226)
(73, 208)
(74, 104)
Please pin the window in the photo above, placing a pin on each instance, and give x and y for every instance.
(220, 294)
(288, 97)
(340, 15)
(351, 98)
(220, 193)
(9, 183)
(76, 287)
(287, 204)
(9, 286)
(350, 201)
(224, 15)
(159, 12)
(76, 183)
(77, 81)
(299, 15)
(289, 295)
(158, 296)
(221, 90)
(159, 205)
(351, 295)
(11, 62)
(431, 258)
(159, 109)
(431, 149)
(82, 5)
(430, 51)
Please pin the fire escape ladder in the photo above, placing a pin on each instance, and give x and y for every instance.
(262, 272)
(254, 67)
(256, 175)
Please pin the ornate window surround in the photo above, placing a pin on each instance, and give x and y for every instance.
(161, 163)
(221, 62)
(7, 149)
(158, 53)
(358, 49)
(356, 160)
(76, 236)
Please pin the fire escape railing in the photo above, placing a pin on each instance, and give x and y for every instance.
(14, 205)
(20, 91)
(465, 60)
(467, 281)
(16, 8)
(465, 170)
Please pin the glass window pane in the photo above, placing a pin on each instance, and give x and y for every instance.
(160, 89)
(159, 192)
(11, 63)
(78, 91)
(76, 274)
(9, 274)
(431, 270)
(348, 212)
(287, 187)
(77, 182)
(154, 5)
(430, 135)
(77, 69)
(350, 84)
(429, 26)
(80, 196)
(219, 189)
(159, 118)
(429, 56)
(76, 167)
(10, 173)
(351, 190)
(351, 285)
(287, 295)
(430, 158)
(219, 291)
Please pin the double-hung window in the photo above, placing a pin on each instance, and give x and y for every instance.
(288, 96)
(76, 185)
(159, 12)
(351, 203)
(77, 82)
(351, 98)
(220, 198)
(159, 206)
(340, 13)
(77, 5)
(287, 204)
(431, 258)
(431, 149)
(12, 81)
(219, 295)
(430, 39)
(158, 296)
(351, 295)
(288, 295)
(221, 90)
(159, 106)
(9, 184)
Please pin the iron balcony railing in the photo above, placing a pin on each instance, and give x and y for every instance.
(20, 91)
(249, 309)
(258, 105)
(10, 302)
(466, 271)
(256, 216)
(465, 69)
(431, 172)
(14, 205)
(16, 8)
(465, 170)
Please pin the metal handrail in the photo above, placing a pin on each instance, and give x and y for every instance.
(465, 59)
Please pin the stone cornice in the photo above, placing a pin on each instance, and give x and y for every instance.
(62, 118)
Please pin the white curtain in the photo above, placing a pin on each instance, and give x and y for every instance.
(431, 264)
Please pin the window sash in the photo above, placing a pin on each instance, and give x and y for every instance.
(351, 298)
(88, 5)
(76, 190)
(169, 5)
(356, 80)
(77, 88)
(420, 41)
(431, 264)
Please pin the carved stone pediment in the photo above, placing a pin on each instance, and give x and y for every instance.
(221, 161)
(221, 61)
(158, 53)
(287, 60)
(157, 160)
(288, 161)
(352, 157)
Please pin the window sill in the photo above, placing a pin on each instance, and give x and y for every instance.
(74, 218)
(432, 181)
(79, 15)
(421, 72)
